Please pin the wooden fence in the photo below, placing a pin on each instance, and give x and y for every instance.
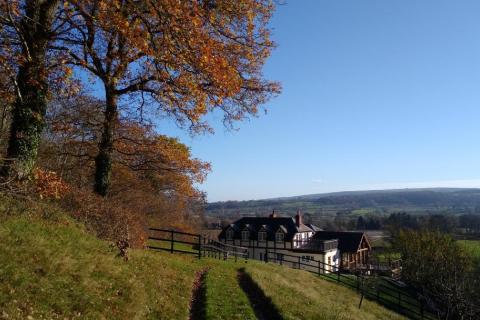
(195, 244)
(385, 292)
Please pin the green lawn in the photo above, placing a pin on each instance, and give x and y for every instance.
(472, 246)
(225, 298)
(301, 295)
(51, 268)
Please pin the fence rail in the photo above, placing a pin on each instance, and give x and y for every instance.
(195, 244)
(385, 293)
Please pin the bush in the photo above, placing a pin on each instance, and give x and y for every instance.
(107, 218)
(437, 266)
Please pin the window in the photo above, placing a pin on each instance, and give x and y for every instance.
(230, 234)
(279, 236)
(262, 236)
(245, 235)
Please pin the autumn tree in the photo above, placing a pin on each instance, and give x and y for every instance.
(153, 174)
(181, 59)
(27, 30)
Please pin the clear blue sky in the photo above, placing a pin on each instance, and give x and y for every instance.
(376, 94)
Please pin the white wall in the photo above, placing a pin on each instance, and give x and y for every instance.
(258, 253)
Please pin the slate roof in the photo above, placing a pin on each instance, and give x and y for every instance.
(348, 241)
(271, 226)
(313, 227)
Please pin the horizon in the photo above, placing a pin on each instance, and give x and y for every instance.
(353, 191)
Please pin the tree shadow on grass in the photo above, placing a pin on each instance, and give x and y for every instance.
(199, 296)
(262, 305)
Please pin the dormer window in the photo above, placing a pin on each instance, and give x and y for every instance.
(245, 235)
(279, 236)
(230, 234)
(262, 236)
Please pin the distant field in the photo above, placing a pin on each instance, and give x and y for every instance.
(472, 246)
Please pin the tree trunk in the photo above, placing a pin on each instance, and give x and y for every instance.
(29, 109)
(103, 161)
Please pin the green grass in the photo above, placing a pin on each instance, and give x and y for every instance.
(225, 298)
(301, 295)
(51, 268)
(472, 246)
(52, 271)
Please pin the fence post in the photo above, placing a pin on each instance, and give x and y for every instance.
(235, 253)
(266, 254)
(399, 301)
(199, 246)
(171, 241)
(298, 262)
(358, 283)
(318, 267)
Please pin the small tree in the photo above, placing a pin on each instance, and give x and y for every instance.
(437, 266)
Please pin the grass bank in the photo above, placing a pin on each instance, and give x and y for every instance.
(52, 268)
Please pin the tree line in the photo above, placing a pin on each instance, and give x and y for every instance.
(446, 223)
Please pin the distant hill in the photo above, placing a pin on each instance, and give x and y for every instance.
(433, 200)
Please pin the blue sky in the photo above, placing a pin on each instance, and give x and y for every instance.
(376, 94)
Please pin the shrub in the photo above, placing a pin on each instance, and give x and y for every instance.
(108, 218)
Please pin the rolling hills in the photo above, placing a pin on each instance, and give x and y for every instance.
(433, 200)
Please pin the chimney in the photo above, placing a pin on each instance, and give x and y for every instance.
(273, 214)
(298, 219)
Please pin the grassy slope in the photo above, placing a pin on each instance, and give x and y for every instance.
(52, 268)
(472, 246)
(301, 295)
(225, 299)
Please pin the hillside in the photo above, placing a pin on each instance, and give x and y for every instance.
(445, 200)
(51, 268)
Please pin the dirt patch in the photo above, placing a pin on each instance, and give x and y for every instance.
(199, 296)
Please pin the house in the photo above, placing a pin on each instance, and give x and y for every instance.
(354, 247)
(275, 236)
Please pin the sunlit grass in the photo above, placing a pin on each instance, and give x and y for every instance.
(52, 268)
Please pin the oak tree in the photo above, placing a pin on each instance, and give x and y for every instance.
(27, 28)
(181, 59)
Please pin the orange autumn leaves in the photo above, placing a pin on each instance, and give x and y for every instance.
(48, 184)
(188, 57)
(140, 154)
(155, 59)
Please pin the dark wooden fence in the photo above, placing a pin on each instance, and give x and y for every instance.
(385, 292)
(195, 244)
